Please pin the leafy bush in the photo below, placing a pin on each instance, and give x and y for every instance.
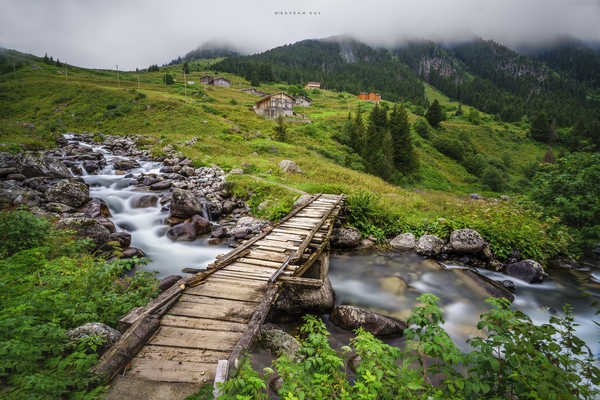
(21, 230)
(492, 177)
(421, 126)
(48, 285)
(449, 146)
(515, 360)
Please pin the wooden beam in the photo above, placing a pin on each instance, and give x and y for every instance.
(220, 377)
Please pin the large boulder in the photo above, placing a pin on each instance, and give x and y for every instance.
(168, 281)
(289, 166)
(189, 229)
(12, 194)
(527, 270)
(185, 204)
(108, 335)
(95, 208)
(429, 245)
(295, 301)
(69, 192)
(36, 164)
(279, 342)
(352, 317)
(86, 227)
(466, 241)
(147, 200)
(403, 242)
(125, 164)
(346, 238)
(247, 226)
(123, 238)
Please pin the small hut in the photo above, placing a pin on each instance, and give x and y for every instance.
(312, 85)
(275, 105)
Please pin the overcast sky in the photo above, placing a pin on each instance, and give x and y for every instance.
(102, 33)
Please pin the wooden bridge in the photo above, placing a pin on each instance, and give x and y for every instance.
(198, 329)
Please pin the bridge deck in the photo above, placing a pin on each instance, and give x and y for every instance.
(208, 319)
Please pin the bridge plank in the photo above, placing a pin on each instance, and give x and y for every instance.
(168, 353)
(265, 255)
(202, 323)
(234, 314)
(195, 338)
(173, 371)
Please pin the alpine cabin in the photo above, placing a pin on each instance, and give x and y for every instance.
(274, 106)
(312, 85)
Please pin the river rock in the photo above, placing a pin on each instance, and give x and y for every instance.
(187, 171)
(131, 252)
(189, 229)
(403, 242)
(163, 185)
(108, 335)
(167, 282)
(297, 300)
(59, 208)
(393, 284)
(95, 208)
(12, 194)
(228, 206)
(289, 166)
(16, 177)
(246, 226)
(37, 164)
(346, 238)
(279, 342)
(352, 317)
(69, 192)
(125, 164)
(466, 241)
(123, 238)
(429, 245)
(185, 204)
(147, 200)
(86, 227)
(91, 166)
(218, 233)
(150, 180)
(527, 270)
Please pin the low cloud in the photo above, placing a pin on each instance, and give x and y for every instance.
(138, 33)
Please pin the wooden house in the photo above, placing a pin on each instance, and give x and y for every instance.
(275, 105)
(206, 80)
(312, 85)
(220, 81)
(303, 101)
(371, 96)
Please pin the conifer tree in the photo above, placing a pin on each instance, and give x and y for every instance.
(373, 152)
(434, 114)
(280, 130)
(540, 129)
(357, 137)
(404, 156)
(46, 59)
(186, 68)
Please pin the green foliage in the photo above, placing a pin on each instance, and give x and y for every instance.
(435, 114)
(516, 359)
(492, 177)
(449, 146)
(569, 189)
(280, 130)
(541, 130)
(48, 285)
(168, 79)
(405, 158)
(421, 126)
(474, 117)
(21, 230)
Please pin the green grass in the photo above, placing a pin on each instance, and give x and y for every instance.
(231, 135)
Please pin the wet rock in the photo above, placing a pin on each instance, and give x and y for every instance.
(168, 281)
(352, 317)
(145, 201)
(16, 177)
(125, 164)
(185, 204)
(95, 208)
(393, 284)
(403, 242)
(7, 171)
(296, 300)
(302, 200)
(12, 194)
(228, 206)
(163, 185)
(466, 241)
(123, 238)
(218, 233)
(510, 285)
(108, 224)
(59, 208)
(527, 270)
(279, 342)
(289, 166)
(91, 166)
(37, 164)
(214, 209)
(150, 180)
(189, 229)
(86, 227)
(69, 192)
(187, 171)
(346, 238)
(429, 245)
(131, 252)
(108, 335)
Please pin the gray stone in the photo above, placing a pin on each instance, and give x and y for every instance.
(346, 238)
(429, 245)
(352, 317)
(466, 241)
(108, 335)
(297, 300)
(403, 242)
(236, 171)
(86, 227)
(95, 208)
(58, 208)
(12, 194)
(123, 238)
(302, 200)
(476, 196)
(163, 185)
(131, 252)
(36, 164)
(184, 204)
(125, 164)
(289, 166)
(168, 281)
(69, 192)
(279, 342)
(147, 200)
(527, 270)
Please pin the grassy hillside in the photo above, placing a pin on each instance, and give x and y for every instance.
(42, 102)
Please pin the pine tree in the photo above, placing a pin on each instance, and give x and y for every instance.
(280, 130)
(186, 68)
(373, 151)
(459, 111)
(540, 129)
(404, 155)
(58, 64)
(357, 137)
(46, 59)
(434, 114)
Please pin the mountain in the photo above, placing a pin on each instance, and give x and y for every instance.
(211, 49)
(339, 63)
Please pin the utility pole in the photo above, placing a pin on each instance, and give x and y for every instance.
(118, 80)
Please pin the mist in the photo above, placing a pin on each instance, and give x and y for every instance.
(135, 34)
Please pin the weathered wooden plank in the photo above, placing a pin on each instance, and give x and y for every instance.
(285, 237)
(250, 269)
(228, 291)
(202, 323)
(236, 274)
(168, 353)
(239, 314)
(299, 281)
(267, 256)
(264, 263)
(220, 376)
(195, 338)
(271, 248)
(173, 371)
(274, 243)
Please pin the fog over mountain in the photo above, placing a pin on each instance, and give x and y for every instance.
(142, 32)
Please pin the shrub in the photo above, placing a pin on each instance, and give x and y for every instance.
(451, 147)
(493, 178)
(21, 230)
(421, 126)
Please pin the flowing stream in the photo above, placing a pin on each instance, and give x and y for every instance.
(146, 225)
